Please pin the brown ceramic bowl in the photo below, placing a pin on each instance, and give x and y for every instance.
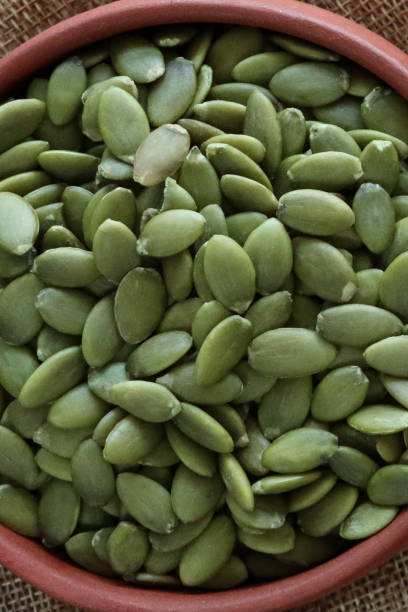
(29, 559)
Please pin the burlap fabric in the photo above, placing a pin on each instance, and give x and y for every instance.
(383, 591)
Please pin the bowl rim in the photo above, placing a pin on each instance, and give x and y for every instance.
(30, 560)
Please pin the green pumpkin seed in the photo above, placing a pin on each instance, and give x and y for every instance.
(270, 312)
(228, 160)
(194, 456)
(182, 535)
(17, 460)
(19, 510)
(335, 281)
(261, 67)
(293, 131)
(68, 137)
(310, 551)
(173, 141)
(282, 484)
(236, 482)
(383, 109)
(59, 236)
(122, 131)
(197, 565)
(100, 543)
(21, 157)
(61, 442)
(162, 563)
(391, 447)
(158, 353)
(79, 549)
(204, 429)
(314, 447)
(261, 122)
(66, 310)
(357, 324)
(326, 137)
(146, 400)
(274, 541)
(215, 223)
(139, 304)
(175, 196)
(18, 120)
(305, 310)
(198, 46)
(161, 457)
(380, 163)
(388, 486)
(329, 171)
(200, 179)
(53, 378)
(282, 183)
(239, 226)
(99, 349)
(392, 287)
(25, 422)
(255, 385)
(51, 215)
(198, 130)
(193, 496)
(248, 195)
(136, 58)
(223, 114)
(204, 82)
(106, 424)
(397, 388)
(75, 201)
(352, 466)
(100, 72)
(232, 421)
(199, 279)
(55, 466)
(399, 242)
(19, 224)
(130, 440)
(234, 45)
(67, 83)
(180, 316)
(366, 520)
(388, 356)
(247, 144)
(66, 267)
(127, 548)
(321, 518)
(348, 385)
(250, 455)
(69, 165)
(368, 287)
(114, 237)
(172, 95)
(230, 273)
(309, 495)
(113, 169)
(364, 137)
(134, 489)
(240, 93)
(303, 48)
(37, 88)
(17, 305)
(78, 408)
(207, 317)
(379, 419)
(50, 341)
(229, 339)
(290, 352)
(285, 406)
(310, 84)
(344, 113)
(45, 195)
(170, 232)
(230, 575)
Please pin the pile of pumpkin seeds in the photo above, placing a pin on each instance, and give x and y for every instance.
(203, 307)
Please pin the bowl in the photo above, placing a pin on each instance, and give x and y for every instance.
(30, 560)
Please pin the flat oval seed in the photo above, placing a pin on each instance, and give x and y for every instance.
(19, 319)
(229, 160)
(122, 122)
(79, 548)
(364, 136)
(215, 223)
(389, 356)
(175, 196)
(261, 121)
(226, 344)
(208, 316)
(357, 324)
(321, 518)
(19, 224)
(366, 520)
(18, 120)
(282, 484)
(67, 83)
(230, 273)
(77, 408)
(194, 456)
(383, 109)
(24, 422)
(146, 400)
(130, 440)
(344, 113)
(310, 551)
(198, 130)
(66, 310)
(172, 95)
(99, 349)
(285, 406)
(352, 466)
(21, 157)
(232, 421)
(182, 535)
(19, 511)
(137, 58)
(303, 48)
(69, 166)
(290, 352)
(53, 378)
(58, 512)
(222, 114)
(270, 250)
(66, 267)
(106, 424)
(348, 385)
(59, 236)
(379, 419)
(158, 353)
(204, 429)
(247, 144)
(139, 304)
(310, 84)
(261, 67)
(234, 45)
(127, 547)
(193, 496)
(275, 541)
(134, 489)
(118, 204)
(114, 237)
(208, 553)
(315, 212)
(170, 232)
(17, 363)
(61, 442)
(178, 275)
(248, 195)
(255, 385)
(397, 388)
(330, 171)
(240, 93)
(200, 179)
(327, 137)
(250, 455)
(313, 447)
(100, 543)
(17, 460)
(270, 312)
(388, 486)
(179, 317)
(335, 280)
(230, 575)
(380, 163)
(181, 381)
(393, 286)
(236, 481)
(173, 142)
(14, 265)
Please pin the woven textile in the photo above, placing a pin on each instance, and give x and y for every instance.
(383, 591)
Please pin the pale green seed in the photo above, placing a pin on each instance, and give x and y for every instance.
(236, 481)
(66, 267)
(19, 319)
(146, 400)
(99, 349)
(290, 352)
(261, 67)
(303, 48)
(127, 547)
(204, 82)
(106, 424)
(67, 83)
(198, 130)
(134, 489)
(199, 45)
(203, 428)
(255, 385)
(193, 496)
(250, 455)
(379, 419)
(364, 136)
(326, 137)
(21, 157)
(65, 310)
(230, 575)
(310, 84)
(49, 216)
(285, 406)
(139, 304)
(69, 166)
(182, 535)
(232, 421)
(215, 223)
(388, 486)
(248, 195)
(19, 224)
(270, 312)
(100, 543)
(368, 287)
(207, 317)
(173, 142)
(399, 242)
(200, 282)
(115, 237)
(19, 510)
(53, 465)
(274, 541)
(262, 122)
(172, 95)
(393, 285)
(18, 120)
(158, 353)
(228, 160)
(175, 196)
(389, 356)
(223, 114)
(344, 113)
(17, 460)
(234, 45)
(397, 388)
(68, 137)
(194, 456)
(78, 408)
(61, 442)
(79, 549)
(385, 110)
(137, 58)
(59, 236)
(130, 440)
(170, 232)
(247, 144)
(37, 88)
(180, 316)
(366, 520)
(309, 495)
(380, 163)
(329, 171)
(113, 169)
(321, 518)
(348, 385)
(391, 447)
(53, 378)
(75, 201)
(24, 422)
(352, 466)
(282, 183)
(100, 72)
(200, 179)
(293, 131)
(282, 484)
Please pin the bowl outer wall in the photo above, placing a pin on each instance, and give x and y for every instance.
(30, 560)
